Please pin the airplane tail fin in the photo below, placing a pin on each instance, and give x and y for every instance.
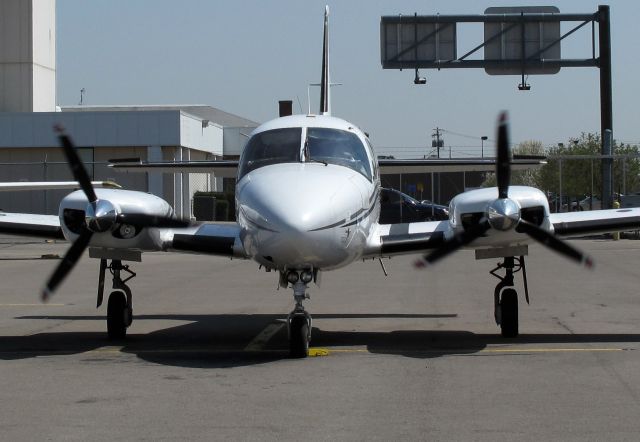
(325, 82)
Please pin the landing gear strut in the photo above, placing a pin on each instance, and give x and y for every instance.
(120, 304)
(299, 323)
(506, 298)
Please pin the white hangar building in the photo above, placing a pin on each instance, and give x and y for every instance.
(29, 149)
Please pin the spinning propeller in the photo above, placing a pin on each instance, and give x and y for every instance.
(503, 214)
(100, 216)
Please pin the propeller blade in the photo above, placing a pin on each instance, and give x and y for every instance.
(554, 243)
(75, 164)
(459, 240)
(503, 157)
(67, 263)
(142, 220)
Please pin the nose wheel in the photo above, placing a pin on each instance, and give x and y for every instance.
(299, 336)
(506, 298)
(118, 315)
(509, 313)
(299, 323)
(120, 304)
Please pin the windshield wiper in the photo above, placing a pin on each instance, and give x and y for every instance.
(307, 155)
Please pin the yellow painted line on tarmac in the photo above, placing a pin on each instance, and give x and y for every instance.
(349, 350)
(313, 351)
(316, 352)
(548, 350)
(471, 351)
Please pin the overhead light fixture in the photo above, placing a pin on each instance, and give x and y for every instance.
(418, 79)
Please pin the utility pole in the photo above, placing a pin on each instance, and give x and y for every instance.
(606, 114)
(482, 140)
(436, 141)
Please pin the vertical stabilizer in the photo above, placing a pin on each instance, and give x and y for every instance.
(325, 84)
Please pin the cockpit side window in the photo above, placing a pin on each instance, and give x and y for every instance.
(338, 147)
(271, 147)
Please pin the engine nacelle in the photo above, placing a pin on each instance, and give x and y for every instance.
(73, 209)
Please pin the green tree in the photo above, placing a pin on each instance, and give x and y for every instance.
(584, 176)
(521, 177)
(626, 172)
(580, 176)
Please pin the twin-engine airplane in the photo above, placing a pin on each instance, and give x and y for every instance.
(307, 201)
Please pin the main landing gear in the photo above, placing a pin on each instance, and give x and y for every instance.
(299, 320)
(120, 304)
(506, 298)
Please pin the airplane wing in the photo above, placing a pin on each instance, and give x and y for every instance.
(52, 185)
(393, 166)
(595, 221)
(222, 168)
(228, 168)
(400, 239)
(44, 226)
(221, 239)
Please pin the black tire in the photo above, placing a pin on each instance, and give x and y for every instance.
(117, 316)
(299, 337)
(509, 313)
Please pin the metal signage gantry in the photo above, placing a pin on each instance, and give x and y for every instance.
(517, 41)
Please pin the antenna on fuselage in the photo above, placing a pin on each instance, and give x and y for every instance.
(325, 94)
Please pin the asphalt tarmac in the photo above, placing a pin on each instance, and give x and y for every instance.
(415, 355)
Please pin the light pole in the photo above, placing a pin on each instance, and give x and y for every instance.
(482, 140)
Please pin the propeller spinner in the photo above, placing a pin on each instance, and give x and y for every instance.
(504, 214)
(100, 216)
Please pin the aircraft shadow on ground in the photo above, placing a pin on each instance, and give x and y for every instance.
(220, 341)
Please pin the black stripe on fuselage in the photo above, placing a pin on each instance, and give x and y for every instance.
(411, 242)
(215, 245)
(336, 224)
(353, 221)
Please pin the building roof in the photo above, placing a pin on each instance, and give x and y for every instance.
(201, 111)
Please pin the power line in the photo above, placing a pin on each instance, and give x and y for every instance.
(458, 134)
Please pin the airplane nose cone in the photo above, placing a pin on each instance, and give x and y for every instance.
(301, 199)
(296, 215)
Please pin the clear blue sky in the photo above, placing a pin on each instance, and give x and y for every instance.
(244, 56)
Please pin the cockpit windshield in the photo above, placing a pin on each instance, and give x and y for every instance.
(271, 147)
(334, 146)
(324, 145)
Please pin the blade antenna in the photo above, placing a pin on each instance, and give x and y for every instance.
(325, 94)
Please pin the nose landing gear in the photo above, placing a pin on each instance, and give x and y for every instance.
(506, 298)
(299, 323)
(120, 304)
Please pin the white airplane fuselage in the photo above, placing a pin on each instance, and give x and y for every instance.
(308, 214)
